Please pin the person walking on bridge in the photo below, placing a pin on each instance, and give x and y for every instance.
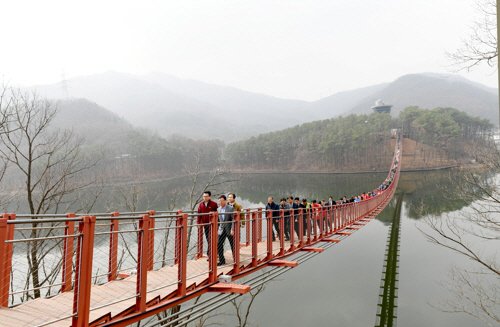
(295, 207)
(271, 206)
(226, 228)
(231, 198)
(304, 205)
(206, 206)
(286, 208)
(316, 208)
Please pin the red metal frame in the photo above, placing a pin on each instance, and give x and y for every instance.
(301, 227)
(236, 240)
(151, 243)
(200, 242)
(269, 221)
(212, 260)
(142, 263)
(248, 224)
(254, 239)
(113, 247)
(83, 272)
(259, 217)
(67, 260)
(182, 266)
(292, 232)
(178, 237)
(6, 234)
(282, 232)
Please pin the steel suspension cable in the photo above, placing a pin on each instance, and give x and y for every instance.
(221, 299)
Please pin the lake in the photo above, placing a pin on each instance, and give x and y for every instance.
(341, 286)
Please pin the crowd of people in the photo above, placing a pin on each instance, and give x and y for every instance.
(227, 207)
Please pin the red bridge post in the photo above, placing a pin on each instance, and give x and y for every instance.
(142, 264)
(151, 243)
(6, 234)
(199, 253)
(348, 220)
(347, 214)
(351, 213)
(236, 243)
(67, 259)
(344, 216)
(334, 217)
(282, 232)
(259, 217)
(269, 222)
(212, 259)
(301, 227)
(308, 223)
(83, 272)
(113, 247)
(182, 265)
(314, 223)
(254, 239)
(330, 224)
(178, 236)
(292, 231)
(321, 218)
(248, 226)
(326, 230)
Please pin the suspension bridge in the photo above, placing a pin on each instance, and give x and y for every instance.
(115, 269)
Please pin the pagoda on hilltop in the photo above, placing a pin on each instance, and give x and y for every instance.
(380, 107)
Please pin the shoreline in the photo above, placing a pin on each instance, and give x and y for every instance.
(263, 172)
(341, 172)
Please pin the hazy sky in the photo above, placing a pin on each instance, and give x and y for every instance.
(289, 49)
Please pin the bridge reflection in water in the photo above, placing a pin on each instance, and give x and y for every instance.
(115, 269)
(387, 305)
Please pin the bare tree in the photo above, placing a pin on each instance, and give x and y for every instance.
(51, 162)
(49, 166)
(5, 115)
(242, 310)
(481, 45)
(216, 180)
(473, 233)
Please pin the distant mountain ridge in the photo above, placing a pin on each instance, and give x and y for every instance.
(458, 78)
(429, 92)
(170, 105)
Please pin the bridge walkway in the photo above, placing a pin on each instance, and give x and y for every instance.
(39, 311)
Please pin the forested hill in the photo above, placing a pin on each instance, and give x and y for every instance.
(132, 152)
(361, 142)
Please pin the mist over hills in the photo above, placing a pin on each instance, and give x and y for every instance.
(169, 105)
(98, 125)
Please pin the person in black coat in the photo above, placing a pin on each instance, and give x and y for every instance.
(271, 205)
(295, 207)
(303, 206)
(285, 207)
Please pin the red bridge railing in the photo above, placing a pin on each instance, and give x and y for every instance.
(63, 258)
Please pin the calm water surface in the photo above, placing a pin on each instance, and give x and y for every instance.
(341, 286)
